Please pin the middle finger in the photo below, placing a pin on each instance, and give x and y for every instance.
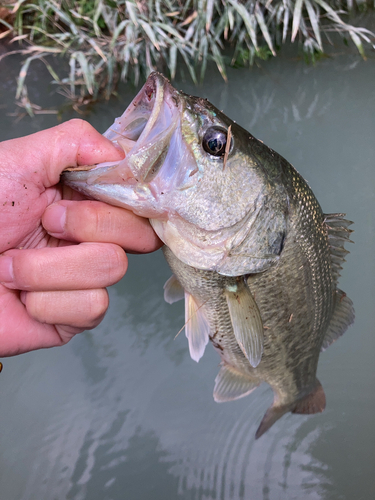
(74, 267)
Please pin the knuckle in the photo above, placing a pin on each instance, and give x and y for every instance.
(77, 123)
(27, 270)
(93, 221)
(37, 306)
(86, 221)
(82, 221)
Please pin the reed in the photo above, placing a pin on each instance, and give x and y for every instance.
(105, 41)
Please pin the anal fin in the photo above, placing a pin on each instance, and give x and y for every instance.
(246, 321)
(231, 384)
(197, 328)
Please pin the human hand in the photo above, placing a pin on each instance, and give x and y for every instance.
(58, 251)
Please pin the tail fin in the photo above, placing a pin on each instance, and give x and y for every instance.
(313, 402)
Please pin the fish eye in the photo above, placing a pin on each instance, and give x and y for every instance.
(214, 141)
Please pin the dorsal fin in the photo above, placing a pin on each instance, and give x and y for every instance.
(342, 318)
(338, 235)
(197, 328)
(231, 384)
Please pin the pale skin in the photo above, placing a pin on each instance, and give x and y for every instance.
(58, 251)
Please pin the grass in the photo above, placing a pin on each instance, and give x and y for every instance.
(106, 41)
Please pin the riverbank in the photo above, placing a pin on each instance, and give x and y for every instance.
(107, 41)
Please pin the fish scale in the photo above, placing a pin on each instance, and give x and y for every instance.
(315, 246)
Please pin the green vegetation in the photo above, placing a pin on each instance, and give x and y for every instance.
(108, 40)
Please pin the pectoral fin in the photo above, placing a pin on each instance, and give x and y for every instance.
(230, 384)
(246, 321)
(173, 291)
(197, 328)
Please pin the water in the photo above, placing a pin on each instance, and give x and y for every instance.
(122, 412)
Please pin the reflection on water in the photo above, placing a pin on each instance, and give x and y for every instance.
(123, 413)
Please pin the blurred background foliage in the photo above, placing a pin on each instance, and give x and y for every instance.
(105, 41)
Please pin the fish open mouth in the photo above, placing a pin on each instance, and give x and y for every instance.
(158, 162)
(144, 132)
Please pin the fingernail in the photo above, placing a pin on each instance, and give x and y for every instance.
(6, 269)
(54, 219)
(23, 297)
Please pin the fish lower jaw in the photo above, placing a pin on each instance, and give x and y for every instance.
(189, 252)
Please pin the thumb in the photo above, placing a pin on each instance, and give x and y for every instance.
(44, 155)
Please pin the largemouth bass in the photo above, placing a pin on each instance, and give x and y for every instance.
(251, 251)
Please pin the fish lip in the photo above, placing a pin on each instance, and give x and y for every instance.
(154, 84)
(164, 104)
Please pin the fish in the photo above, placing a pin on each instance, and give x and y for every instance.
(252, 253)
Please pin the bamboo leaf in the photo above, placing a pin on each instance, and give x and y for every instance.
(248, 20)
(98, 12)
(286, 23)
(64, 17)
(23, 73)
(203, 51)
(86, 71)
(130, 7)
(356, 39)
(5, 33)
(150, 33)
(209, 12)
(117, 32)
(51, 71)
(296, 18)
(218, 60)
(314, 19)
(9, 26)
(230, 19)
(173, 60)
(97, 48)
(17, 5)
(189, 19)
(72, 64)
(332, 14)
(263, 27)
(170, 30)
(188, 64)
